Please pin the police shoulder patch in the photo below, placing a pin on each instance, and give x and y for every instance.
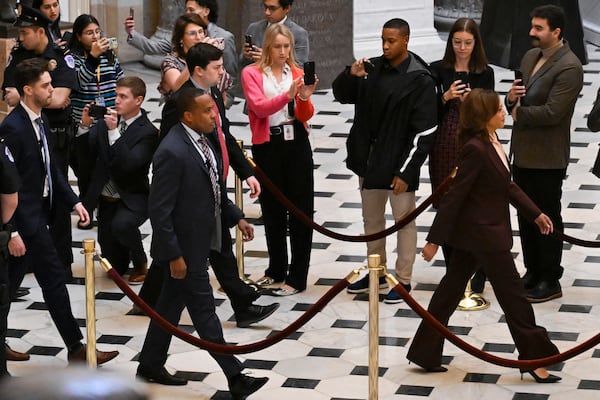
(70, 61)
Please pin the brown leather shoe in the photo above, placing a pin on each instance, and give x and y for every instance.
(101, 356)
(13, 355)
(138, 274)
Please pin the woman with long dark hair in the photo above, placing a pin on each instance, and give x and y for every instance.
(463, 68)
(51, 9)
(98, 70)
(473, 218)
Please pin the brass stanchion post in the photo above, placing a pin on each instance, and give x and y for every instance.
(375, 270)
(472, 301)
(89, 250)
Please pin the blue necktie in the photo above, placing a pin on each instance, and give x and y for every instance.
(45, 156)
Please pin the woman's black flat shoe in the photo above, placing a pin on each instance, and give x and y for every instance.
(549, 379)
(439, 368)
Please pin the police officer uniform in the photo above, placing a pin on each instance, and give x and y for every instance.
(9, 183)
(61, 67)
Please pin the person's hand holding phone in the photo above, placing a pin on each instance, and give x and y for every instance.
(361, 68)
(129, 23)
(111, 118)
(99, 47)
(517, 89)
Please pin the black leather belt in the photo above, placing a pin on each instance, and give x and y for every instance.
(278, 130)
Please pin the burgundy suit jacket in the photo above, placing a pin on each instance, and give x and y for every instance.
(474, 214)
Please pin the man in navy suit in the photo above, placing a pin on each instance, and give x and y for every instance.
(205, 63)
(188, 206)
(122, 145)
(43, 187)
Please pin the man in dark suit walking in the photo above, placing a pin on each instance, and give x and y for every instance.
(122, 145)
(188, 207)
(43, 187)
(205, 63)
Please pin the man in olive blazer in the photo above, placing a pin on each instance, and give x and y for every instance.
(542, 106)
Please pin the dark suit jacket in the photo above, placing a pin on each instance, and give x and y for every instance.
(474, 214)
(181, 204)
(127, 162)
(236, 157)
(541, 136)
(20, 137)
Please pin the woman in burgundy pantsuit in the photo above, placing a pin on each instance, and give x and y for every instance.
(474, 219)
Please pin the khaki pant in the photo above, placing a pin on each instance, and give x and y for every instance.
(373, 211)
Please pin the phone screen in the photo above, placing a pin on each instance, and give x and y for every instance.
(309, 72)
(131, 12)
(518, 74)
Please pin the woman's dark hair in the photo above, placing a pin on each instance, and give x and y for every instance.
(476, 111)
(55, 25)
(79, 25)
(179, 30)
(478, 61)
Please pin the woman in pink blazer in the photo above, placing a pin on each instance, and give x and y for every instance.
(474, 219)
(279, 107)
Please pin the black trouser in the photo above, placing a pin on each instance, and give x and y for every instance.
(542, 254)
(60, 218)
(224, 265)
(289, 165)
(195, 293)
(119, 235)
(42, 258)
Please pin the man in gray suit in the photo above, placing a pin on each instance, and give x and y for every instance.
(276, 12)
(542, 104)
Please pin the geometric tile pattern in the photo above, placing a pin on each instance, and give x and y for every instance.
(327, 358)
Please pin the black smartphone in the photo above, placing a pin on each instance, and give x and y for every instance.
(67, 36)
(248, 39)
(97, 111)
(309, 73)
(462, 76)
(518, 75)
(131, 11)
(369, 67)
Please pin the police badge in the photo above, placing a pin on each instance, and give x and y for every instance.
(52, 65)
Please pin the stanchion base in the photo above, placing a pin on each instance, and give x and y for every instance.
(473, 302)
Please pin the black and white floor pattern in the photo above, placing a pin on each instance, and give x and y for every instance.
(328, 358)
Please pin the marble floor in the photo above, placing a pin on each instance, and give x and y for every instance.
(327, 359)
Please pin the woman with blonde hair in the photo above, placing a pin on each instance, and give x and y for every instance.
(279, 107)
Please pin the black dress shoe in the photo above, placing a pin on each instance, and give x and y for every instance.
(529, 280)
(544, 291)
(161, 376)
(253, 314)
(242, 386)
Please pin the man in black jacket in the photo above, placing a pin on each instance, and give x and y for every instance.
(395, 119)
(122, 145)
(205, 63)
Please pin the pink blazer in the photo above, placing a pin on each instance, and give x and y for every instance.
(261, 107)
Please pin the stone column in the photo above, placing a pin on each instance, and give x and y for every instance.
(369, 17)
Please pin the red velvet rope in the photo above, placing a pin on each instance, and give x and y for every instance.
(264, 179)
(224, 348)
(524, 365)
